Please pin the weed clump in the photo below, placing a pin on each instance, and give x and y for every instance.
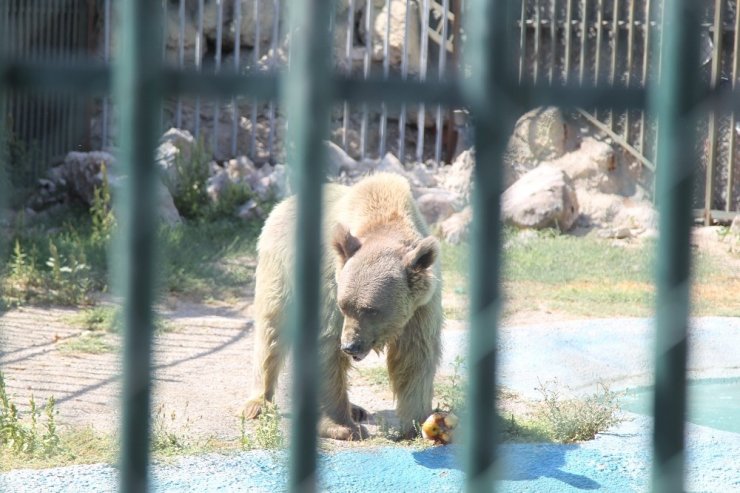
(27, 437)
(569, 420)
(267, 434)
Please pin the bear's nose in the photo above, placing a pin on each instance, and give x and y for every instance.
(353, 348)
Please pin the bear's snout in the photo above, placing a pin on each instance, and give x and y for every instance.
(355, 349)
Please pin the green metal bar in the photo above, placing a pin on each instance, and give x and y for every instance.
(4, 93)
(733, 135)
(137, 79)
(487, 50)
(713, 123)
(307, 91)
(674, 99)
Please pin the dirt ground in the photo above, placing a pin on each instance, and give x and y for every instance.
(202, 366)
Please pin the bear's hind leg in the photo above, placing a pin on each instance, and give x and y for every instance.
(269, 354)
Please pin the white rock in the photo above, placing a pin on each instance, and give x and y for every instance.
(396, 38)
(456, 228)
(438, 205)
(542, 198)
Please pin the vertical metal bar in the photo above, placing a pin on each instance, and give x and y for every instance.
(137, 80)
(568, 38)
(164, 55)
(256, 50)
(537, 34)
(219, 46)
(404, 76)
(348, 56)
(712, 127)
(307, 99)
(180, 55)
(674, 99)
(553, 38)
(366, 72)
(733, 119)
(487, 51)
(423, 63)
(522, 40)
(599, 33)
(273, 66)
(646, 50)
(198, 65)
(630, 60)
(442, 70)
(237, 49)
(615, 46)
(4, 100)
(386, 71)
(584, 36)
(106, 59)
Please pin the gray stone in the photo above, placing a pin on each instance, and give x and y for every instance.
(396, 37)
(539, 135)
(542, 198)
(249, 211)
(81, 174)
(337, 161)
(166, 209)
(456, 228)
(437, 205)
(216, 185)
(592, 166)
(458, 178)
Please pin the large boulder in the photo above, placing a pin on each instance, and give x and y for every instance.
(175, 149)
(540, 135)
(437, 205)
(542, 198)
(459, 177)
(456, 228)
(592, 166)
(78, 177)
(398, 14)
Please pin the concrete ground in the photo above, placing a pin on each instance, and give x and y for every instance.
(578, 353)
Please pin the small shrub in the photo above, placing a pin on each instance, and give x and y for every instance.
(21, 437)
(101, 213)
(267, 433)
(189, 191)
(165, 439)
(575, 420)
(451, 393)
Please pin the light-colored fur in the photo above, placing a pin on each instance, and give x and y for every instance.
(381, 290)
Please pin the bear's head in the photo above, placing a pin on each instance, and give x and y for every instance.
(381, 281)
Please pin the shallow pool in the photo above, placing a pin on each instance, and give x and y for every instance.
(712, 402)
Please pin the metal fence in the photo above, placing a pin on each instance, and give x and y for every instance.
(612, 43)
(495, 96)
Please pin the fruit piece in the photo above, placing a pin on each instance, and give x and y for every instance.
(439, 427)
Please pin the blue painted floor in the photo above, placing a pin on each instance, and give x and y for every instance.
(577, 353)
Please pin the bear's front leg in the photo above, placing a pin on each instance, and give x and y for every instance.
(412, 363)
(337, 420)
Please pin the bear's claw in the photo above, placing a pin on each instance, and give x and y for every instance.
(253, 408)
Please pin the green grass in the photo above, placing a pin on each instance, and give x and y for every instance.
(90, 343)
(588, 277)
(64, 261)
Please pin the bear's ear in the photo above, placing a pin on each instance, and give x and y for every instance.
(344, 243)
(423, 255)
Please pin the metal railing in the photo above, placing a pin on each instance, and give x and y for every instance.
(495, 97)
(612, 42)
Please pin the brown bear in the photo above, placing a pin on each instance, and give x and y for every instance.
(381, 291)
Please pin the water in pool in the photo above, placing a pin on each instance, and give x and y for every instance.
(712, 402)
